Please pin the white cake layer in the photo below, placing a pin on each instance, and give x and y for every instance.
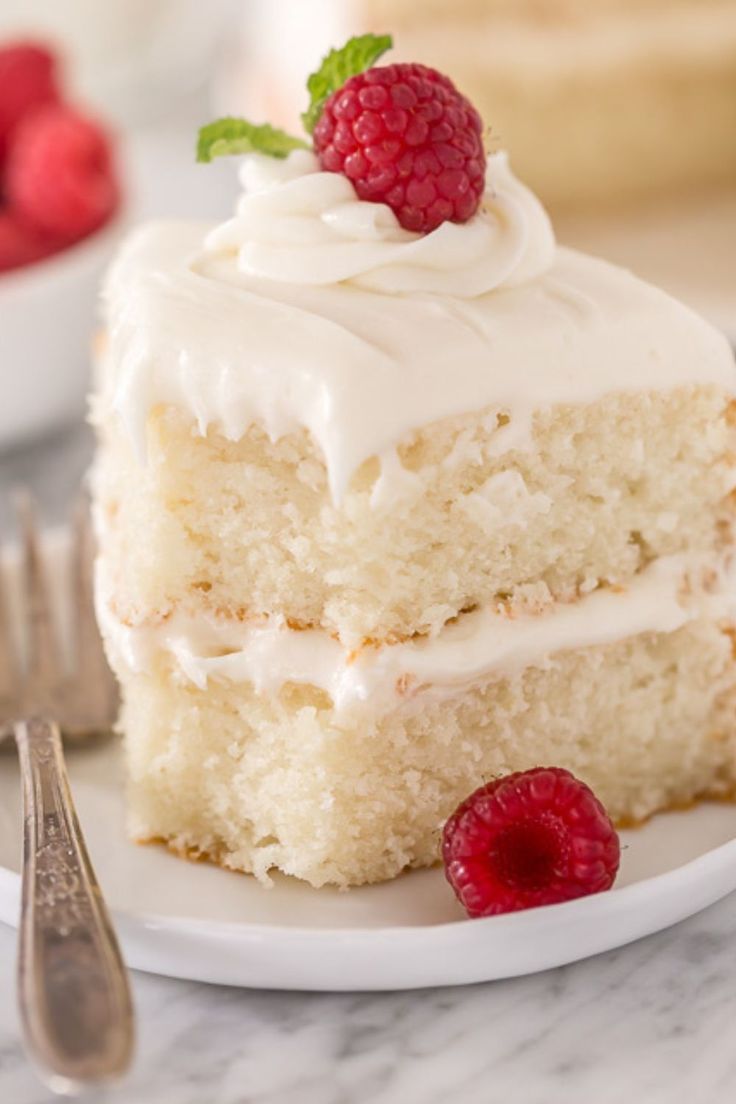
(256, 782)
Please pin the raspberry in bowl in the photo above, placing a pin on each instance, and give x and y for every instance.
(59, 217)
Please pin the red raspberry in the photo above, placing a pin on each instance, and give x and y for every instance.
(20, 244)
(60, 174)
(27, 80)
(405, 136)
(536, 837)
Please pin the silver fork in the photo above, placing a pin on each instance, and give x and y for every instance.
(73, 989)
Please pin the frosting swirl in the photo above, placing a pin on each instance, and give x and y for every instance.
(298, 225)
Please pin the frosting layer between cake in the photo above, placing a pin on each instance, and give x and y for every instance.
(410, 330)
(668, 594)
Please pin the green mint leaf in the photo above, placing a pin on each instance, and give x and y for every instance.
(231, 136)
(357, 55)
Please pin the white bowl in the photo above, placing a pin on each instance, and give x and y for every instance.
(47, 319)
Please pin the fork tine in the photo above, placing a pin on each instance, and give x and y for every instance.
(43, 664)
(90, 659)
(9, 663)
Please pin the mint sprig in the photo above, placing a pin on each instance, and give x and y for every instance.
(230, 136)
(233, 136)
(357, 55)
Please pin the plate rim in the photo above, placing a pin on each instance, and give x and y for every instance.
(412, 957)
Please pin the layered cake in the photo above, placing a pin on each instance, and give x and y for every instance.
(385, 514)
(603, 102)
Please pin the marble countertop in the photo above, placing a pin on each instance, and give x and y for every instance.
(652, 1023)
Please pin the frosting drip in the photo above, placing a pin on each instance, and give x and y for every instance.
(296, 224)
(312, 309)
(663, 598)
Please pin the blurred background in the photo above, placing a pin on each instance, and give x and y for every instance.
(621, 115)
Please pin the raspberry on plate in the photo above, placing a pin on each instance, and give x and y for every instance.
(405, 136)
(21, 244)
(536, 837)
(27, 81)
(60, 174)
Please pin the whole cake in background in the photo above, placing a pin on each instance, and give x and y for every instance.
(396, 496)
(603, 102)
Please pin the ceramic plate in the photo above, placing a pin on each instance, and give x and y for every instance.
(196, 921)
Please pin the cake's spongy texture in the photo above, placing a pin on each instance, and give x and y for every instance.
(256, 783)
(248, 528)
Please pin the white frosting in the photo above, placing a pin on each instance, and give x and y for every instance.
(313, 309)
(476, 646)
(298, 225)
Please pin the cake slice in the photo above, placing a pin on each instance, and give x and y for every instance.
(384, 514)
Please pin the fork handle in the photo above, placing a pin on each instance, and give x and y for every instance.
(73, 989)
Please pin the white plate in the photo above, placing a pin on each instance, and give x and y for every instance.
(192, 920)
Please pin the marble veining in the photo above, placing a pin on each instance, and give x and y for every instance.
(651, 1023)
